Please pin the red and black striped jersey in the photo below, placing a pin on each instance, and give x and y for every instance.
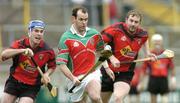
(23, 68)
(125, 46)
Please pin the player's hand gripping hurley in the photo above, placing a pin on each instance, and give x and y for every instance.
(53, 90)
(105, 54)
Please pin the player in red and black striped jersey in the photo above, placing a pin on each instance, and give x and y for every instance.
(158, 72)
(24, 80)
(126, 39)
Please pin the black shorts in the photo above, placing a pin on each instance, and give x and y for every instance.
(133, 90)
(20, 89)
(107, 83)
(158, 85)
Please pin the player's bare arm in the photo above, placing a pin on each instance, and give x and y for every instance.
(46, 79)
(108, 70)
(147, 51)
(68, 74)
(9, 53)
(115, 62)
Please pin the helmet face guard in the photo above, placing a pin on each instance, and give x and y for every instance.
(36, 24)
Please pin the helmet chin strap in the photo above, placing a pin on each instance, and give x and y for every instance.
(30, 41)
(29, 32)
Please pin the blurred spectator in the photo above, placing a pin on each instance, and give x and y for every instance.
(158, 72)
(113, 11)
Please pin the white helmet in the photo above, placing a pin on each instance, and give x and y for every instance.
(156, 37)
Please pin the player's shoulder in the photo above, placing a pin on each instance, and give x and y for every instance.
(118, 25)
(142, 31)
(115, 26)
(46, 47)
(20, 41)
(65, 35)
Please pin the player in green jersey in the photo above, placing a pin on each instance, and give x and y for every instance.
(77, 55)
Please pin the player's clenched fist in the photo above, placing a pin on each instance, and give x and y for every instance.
(28, 52)
(76, 81)
(45, 79)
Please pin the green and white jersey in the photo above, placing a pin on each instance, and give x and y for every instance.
(78, 52)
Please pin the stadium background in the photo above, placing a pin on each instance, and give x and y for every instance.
(160, 16)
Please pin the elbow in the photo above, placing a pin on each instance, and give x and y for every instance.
(59, 66)
(62, 67)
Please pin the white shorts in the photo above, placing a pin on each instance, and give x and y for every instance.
(78, 92)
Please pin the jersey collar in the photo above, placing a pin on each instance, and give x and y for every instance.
(73, 30)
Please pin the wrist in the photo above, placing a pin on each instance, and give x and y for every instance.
(105, 64)
(46, 73)
(111, 57)
(106, 68)
(24, 51)
(74, 79)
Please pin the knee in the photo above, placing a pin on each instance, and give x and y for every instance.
(96, 99)
(118, 98)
